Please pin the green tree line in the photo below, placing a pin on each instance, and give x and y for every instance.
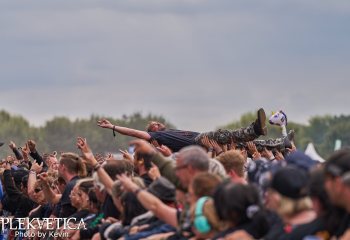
(60, 133)
(322, 131)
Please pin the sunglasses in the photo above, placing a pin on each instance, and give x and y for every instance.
(36, 190)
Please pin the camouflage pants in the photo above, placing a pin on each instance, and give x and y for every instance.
(244, 134)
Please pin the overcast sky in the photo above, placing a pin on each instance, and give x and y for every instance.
(199, 63)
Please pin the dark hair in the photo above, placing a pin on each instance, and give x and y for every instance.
(338, 163)
(117, 167)
(149, 127)
(132, 208)
(25, 181)
(240, 205)
(85, 186)
(330, 213)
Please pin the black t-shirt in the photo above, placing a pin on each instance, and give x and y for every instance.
(174, 139)
(314, 228)
(109, 209)
(65, 208)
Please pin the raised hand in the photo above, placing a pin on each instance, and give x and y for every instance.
(126, 155)
(252, 148)
(44, 177)
(164, 150)
(155, 143)
(104, 123)
(25, 151)
(143, 147)
(293, 149)
(154, 172)
(217, 148)
(267, 154)
(128, 185)
(88, 156)
(32, 146)
(279, 156)
(206, 143)
(12, 145)
(36, 167)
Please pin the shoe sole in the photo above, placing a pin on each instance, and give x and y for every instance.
(262, 121)
(291, 135)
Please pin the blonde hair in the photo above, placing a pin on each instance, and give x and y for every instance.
(232, 160)
(289, 207)
(74, 164)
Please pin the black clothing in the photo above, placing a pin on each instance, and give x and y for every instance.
(146, 179)
(109, 209)
(344, 225)
(174, 139)
(22, 205)
(64, 207)
(80, 215)
(44, 211)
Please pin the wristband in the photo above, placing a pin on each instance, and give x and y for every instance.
(97, 167)
(114, 130)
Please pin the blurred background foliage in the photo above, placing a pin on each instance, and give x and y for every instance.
(60, 133)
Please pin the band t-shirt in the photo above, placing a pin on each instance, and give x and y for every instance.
(174, 139)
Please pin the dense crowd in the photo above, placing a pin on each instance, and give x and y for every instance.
(224, 184)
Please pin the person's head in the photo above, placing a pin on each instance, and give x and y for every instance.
(118, 191)
(233, 162)
(190, 161)
(287, 194)
(239, 205)
(317, 192)
(118, 167)
(38, 195)
(61, 184)
(52, 161)
(163, 189)
(203, 184)
(79, 195)
(71, 165)
(154, 126)
(126, 202)
(205, 219)
(139, 164)
(112, 168)
(337, 182)
(20, 178)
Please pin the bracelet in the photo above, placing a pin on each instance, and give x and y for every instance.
(137, 191)
(32, 171)
(113, 130)
(97, 167)
(210, 149)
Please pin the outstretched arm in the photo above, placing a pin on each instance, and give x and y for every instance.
(104, 123)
